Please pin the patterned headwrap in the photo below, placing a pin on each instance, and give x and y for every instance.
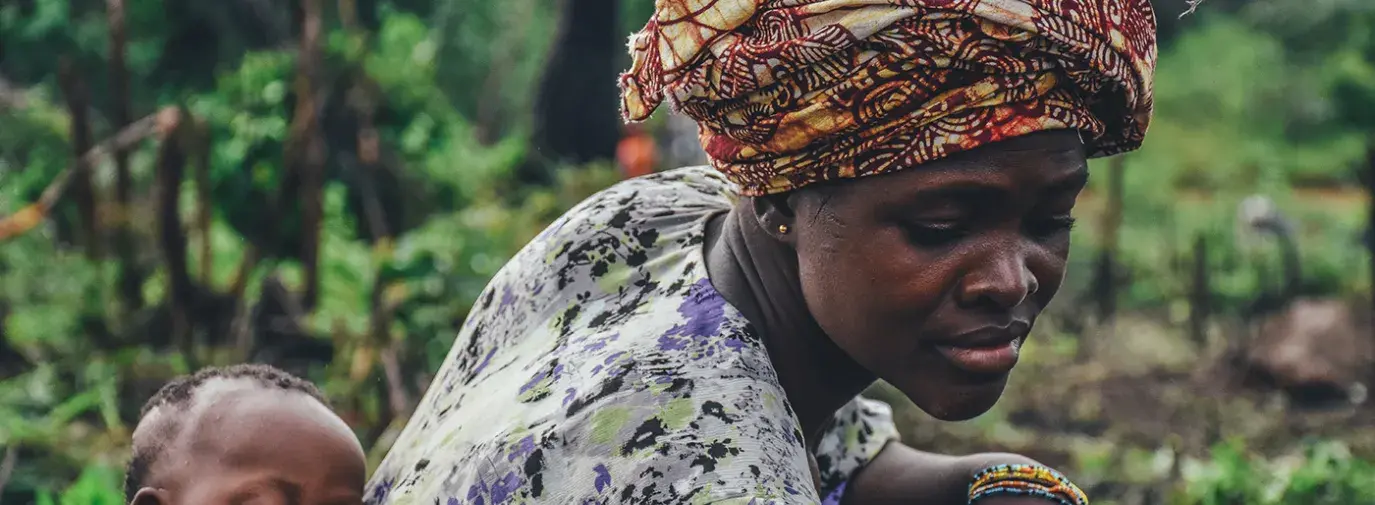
(791, 92)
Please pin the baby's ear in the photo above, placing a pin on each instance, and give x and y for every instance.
(151, 496)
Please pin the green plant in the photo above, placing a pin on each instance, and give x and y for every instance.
(1322, 473)
(1230, 478)
(97, 485)
(1330, 475)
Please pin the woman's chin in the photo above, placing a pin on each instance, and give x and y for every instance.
(951, 402)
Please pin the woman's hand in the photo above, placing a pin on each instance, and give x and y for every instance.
(901, 475)
(979, 462)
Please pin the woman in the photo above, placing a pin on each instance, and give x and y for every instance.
(891, 199)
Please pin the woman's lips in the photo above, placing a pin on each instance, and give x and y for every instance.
(988, 359)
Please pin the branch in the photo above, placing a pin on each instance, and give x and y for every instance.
(27, 218)
(399, 401)
(1193, 6)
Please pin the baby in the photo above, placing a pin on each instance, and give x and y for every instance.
(240, 435)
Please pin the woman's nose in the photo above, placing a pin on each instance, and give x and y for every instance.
(1000, 280)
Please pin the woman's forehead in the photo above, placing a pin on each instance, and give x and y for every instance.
(1029, 166)
(1067, 139)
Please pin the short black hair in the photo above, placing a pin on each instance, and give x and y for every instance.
(177, 395)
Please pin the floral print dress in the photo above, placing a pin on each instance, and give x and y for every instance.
(601, 366)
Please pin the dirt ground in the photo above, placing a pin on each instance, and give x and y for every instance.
(1123, 408)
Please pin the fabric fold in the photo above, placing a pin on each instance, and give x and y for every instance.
(787, 93)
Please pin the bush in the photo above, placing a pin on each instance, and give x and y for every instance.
(1323, 473)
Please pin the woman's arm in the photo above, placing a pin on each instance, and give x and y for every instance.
(901, 475)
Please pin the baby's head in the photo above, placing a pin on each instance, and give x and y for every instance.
(243, 434)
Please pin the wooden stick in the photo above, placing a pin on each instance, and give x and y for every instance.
(159, 124)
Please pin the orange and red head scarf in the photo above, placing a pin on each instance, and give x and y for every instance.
(787, 93)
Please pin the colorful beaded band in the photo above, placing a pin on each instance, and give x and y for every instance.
(1025, 480)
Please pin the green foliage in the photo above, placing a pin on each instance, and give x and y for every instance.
(1325, 473)
(1329, 475)
(403, 63)
(1230, 478)
(98, 485)
(489, 56)
(1240, 112)
(69, 426)
(1245, 105)
(1211, 130)
(50, 294)
(33, 150)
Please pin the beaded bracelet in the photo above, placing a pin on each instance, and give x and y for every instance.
(1025, 480)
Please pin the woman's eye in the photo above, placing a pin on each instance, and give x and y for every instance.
(1050, 227)
(935, 234)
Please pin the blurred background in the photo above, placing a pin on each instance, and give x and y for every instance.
(326, 185)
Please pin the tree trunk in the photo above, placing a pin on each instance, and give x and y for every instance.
(83, 192)
(1106, 275)
(364, 101)
(306, 151)
(130, 276)
(203, 144)
(575, 107)
(172, 238)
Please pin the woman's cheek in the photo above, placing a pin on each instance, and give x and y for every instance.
(906, 286)
(1049, 268)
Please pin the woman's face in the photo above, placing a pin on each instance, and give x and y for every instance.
(931, 277)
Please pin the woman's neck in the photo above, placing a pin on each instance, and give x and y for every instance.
(759, 276)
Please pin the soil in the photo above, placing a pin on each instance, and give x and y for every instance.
(1102, 411)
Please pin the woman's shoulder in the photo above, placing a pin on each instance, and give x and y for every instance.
(603, 364)
(856, 435)
(648, 226)
(685, 192)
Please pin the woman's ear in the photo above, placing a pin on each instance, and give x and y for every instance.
(151, 496)
(775, 215)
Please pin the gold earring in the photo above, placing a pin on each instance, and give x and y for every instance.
(783, 228)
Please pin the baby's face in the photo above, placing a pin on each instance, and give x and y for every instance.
(267, 447)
